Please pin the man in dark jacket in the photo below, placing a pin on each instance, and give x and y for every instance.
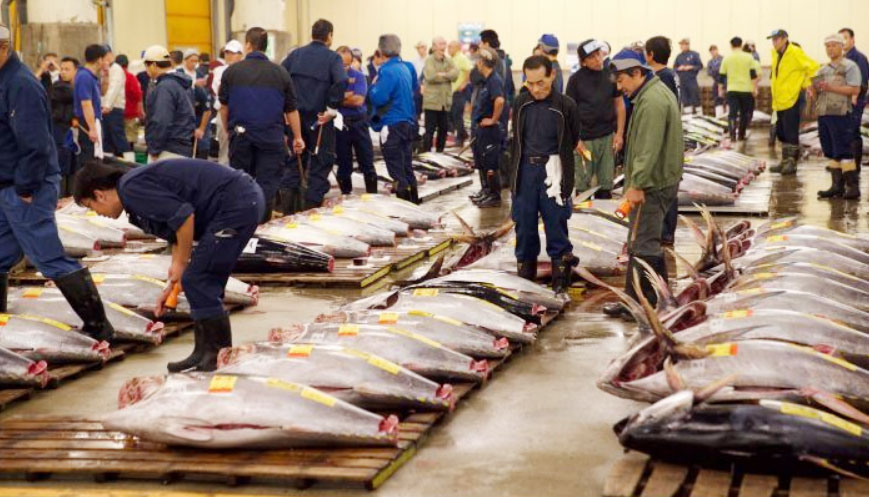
(170, 121)
(320, 80)
(258, 100)
(545, 134)
(62, 113)
(29, 177)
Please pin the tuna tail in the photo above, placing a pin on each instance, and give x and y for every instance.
(666, 301)
(632, 305)
(692, 271)
(704, 240)
(665, 336)
(468, 230)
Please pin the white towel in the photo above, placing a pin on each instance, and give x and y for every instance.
(553, 179)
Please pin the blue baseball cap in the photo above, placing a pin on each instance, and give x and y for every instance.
(777, 33)
(548, 42)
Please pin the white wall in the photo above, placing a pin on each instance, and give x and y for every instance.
(266, 14)
(138, 25)
(520, 22)
(66, 11)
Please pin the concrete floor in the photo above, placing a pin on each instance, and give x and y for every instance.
(541, 427)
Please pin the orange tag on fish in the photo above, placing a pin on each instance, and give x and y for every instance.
(777, 238)
(722, 349)
(346, 330)
(4, 318)
(584, 205)
(425, 292)
(387, 318)
(300, 351)
(32, 293)
(222, 384)
(742, 313)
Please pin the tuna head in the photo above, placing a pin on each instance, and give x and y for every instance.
(676, 405)
(287, 334)
(137, 389)
(234, 355)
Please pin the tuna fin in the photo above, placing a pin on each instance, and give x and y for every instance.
(182, 429)
(665, 336)
(465, 226)
(674, 379)
(836, 404)
(692, 271)
(826, 464)
(666, 301)
(699, 236)
(712, 235)
(633, 306)
(709, 390)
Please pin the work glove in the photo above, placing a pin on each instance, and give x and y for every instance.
(553, 179)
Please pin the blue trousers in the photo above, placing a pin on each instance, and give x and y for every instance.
(320, 163)
(241, 207)
(114, 137)
(398, 154)
(487, 148)
(529, 200)
(265, 162)
(30, 229)
(354, 138)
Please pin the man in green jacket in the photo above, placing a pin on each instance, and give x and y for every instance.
(653, 170)
(439, 74)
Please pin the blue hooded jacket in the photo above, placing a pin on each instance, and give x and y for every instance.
(392, 94)
(27, 151)
(170, 118)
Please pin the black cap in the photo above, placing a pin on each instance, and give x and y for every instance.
(776, 33)
(589, 47)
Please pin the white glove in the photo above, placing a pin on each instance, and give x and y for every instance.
(553, 179)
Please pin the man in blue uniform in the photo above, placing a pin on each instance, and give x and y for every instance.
(712, 69)
(391, 97)
(87, 100)
(355, 135)
(182, 200)
(320, 80)
(688, 65)
(545, 135)
(548, 43)
(169, 117)
(258, 100)
(29, 180)
(486, 127)
(858, 58)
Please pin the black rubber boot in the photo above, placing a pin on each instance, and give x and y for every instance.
(312, 205)
(527, 269)
(837, 188)
(216, 335)
(193, 359)
(857, 150)
(291, 201)
(414, 195)
(617, 310)
(371, 184)
(852, 185)
(493, 199)
(403, 193)
(483, 190)
(789, 168)
(346, 185)
(268, 211)
(4, 291)
(562, 273)
(80, 291)
(786, 157)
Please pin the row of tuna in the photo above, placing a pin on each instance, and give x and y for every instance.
(427, 166)
(762, 357)
(40, 328)
(328, 382)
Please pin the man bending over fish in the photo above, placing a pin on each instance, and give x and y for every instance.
(182, 200)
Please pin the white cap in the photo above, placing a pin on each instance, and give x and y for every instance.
(4, 33)
(234, 46)
(190, 52)
(156, 53)
(835, 38)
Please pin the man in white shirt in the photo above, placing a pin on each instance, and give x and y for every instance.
(113, 102)
(233, 52)
(419, 62)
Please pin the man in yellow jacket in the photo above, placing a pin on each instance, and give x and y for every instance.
(792, 71)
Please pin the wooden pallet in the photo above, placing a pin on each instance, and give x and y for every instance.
(347, 275)
(62, 374)
(635, 475)
(435, 188)
(34, 449)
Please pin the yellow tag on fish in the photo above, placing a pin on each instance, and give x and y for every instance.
(777, 238)
(781, 224)
(454, 322)
(283, 385)
(338, 210)
(346, 330)
(825, 417)
(722, 349)
(91, 214)
(32, 293)
(389, 367)
(315, 217)
(291, 226)
(149, 280)
(742, 313)
(752, 291)
(687, 160)
(584, 205)
(300, 350)
(420, 313)
(98, 278)
(590, 245)
(837, 361)
(4, 318)
(425, 292)
(425, 340)
(506, 293)
(365, 197)
(222, 384)
(763, 276)
(318, 396)
(123, 310)
(50, 322)
(147, 256)
(387, 318)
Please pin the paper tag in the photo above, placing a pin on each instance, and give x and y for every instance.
(4, 318)
(338, 210)
(762, 276)
(389, 367)
(425, 340)
(251, 246)
(300, 350)
(781, 224)
(722, 349)
(346, 330)
(590, 245)
(454, 322)
(824, 417)
(152, 281)
(836, 360)
(98, 278)
(365, 197)
(750, 291)
(222, 384)
(387, 318)
(90, 214)
(687, 160)
(315, 217)
(318, 396)
(123, 310)
(291, 226)
(776, 238)
(420, 313)
(425, 292)
(742, 313)
(32, 293)
(584, 205)
(283, 385)
(40, 319)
